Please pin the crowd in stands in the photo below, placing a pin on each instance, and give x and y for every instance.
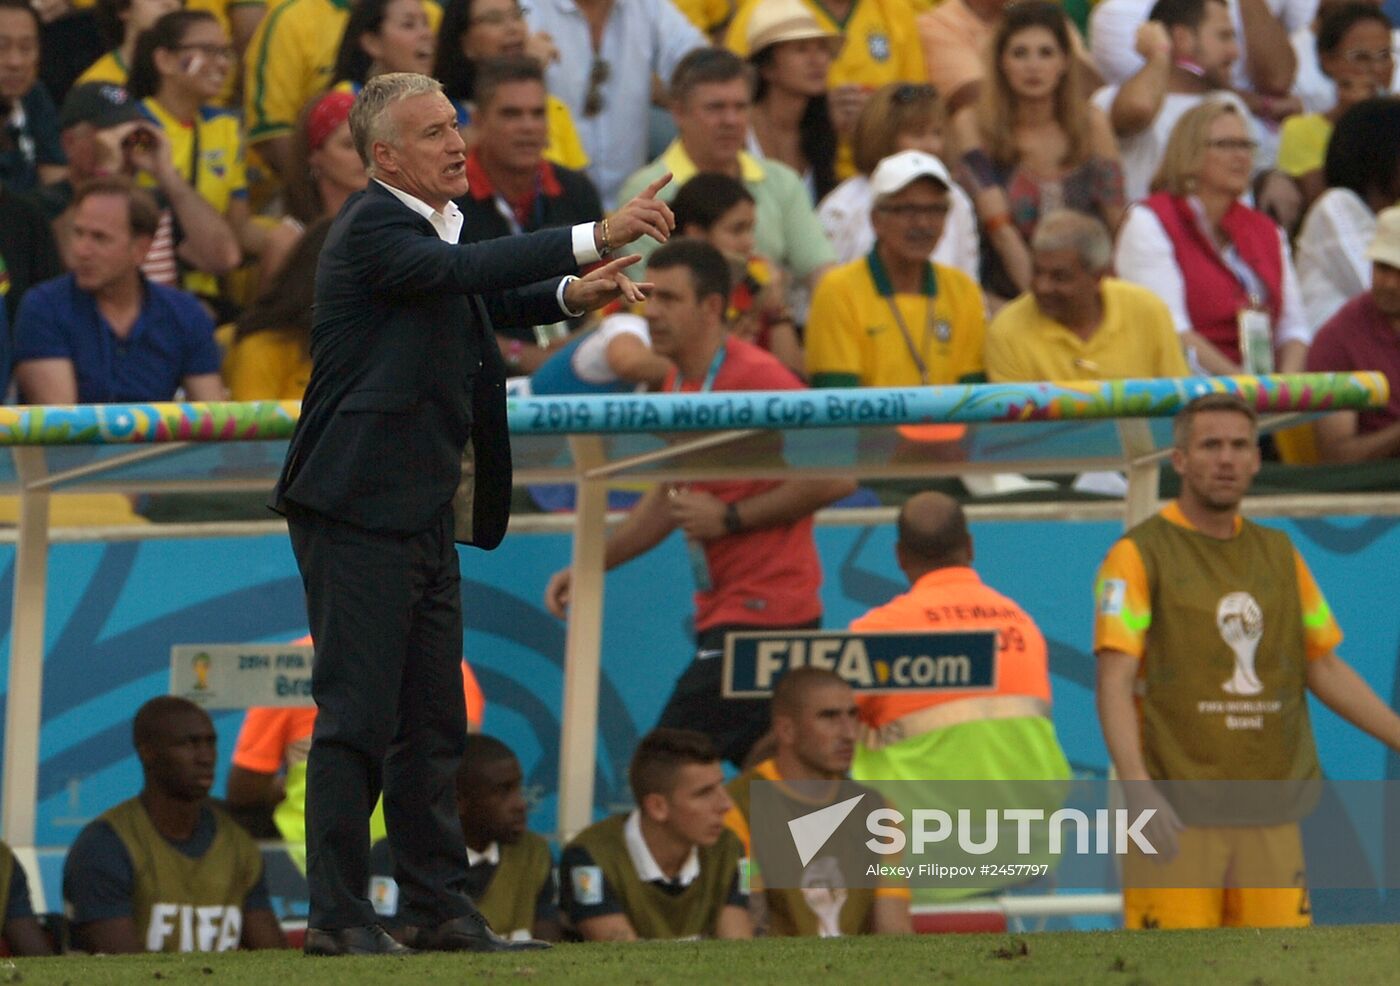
(1237, 154)
(869, 192)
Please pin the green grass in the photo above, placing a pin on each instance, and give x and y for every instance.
(1331, 955)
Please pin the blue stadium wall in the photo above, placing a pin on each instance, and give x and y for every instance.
(115, 610)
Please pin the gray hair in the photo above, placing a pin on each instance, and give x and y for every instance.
(369, 117)
(1065, 229)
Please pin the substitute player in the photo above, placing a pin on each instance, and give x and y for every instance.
(1209, 632)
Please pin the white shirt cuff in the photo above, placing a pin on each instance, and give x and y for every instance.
(559, 294)
(585, 250)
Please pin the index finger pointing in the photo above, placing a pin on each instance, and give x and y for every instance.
(656, 186)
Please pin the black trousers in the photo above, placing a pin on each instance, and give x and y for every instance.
(735, 724)
(385, 613)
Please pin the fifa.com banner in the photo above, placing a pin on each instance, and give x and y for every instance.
(977, 836)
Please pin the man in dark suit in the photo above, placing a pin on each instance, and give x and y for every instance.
(401, 450)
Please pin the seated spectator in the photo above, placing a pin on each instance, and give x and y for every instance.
(815, 725)
(710, 102)
(604, 63)
(1353, 49)
(30, 154)
(326, 171)
(1262, 75)
(120, 23)
(1188, 47)
(1076, 322)
(20, 930)
(270, 359)
(791, 54)
(289, 61)
(720, 210)
(880, 47)
(27, 251)
(510, 872)
(1315, 90)
(668, 869)
(475, 30)
(103, 334)
(956, 36)
(167, 871)
(181, 66)
(894, 318)
(383, 36)
(1032, 143)
(1362, 172)
(900, 117)
(1224, 269)
(268, 769)
(942, 735)
(105, 133)
(1365, 335)
(513, 189)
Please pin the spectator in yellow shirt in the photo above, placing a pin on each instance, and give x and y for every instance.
(1076, 322)
(894, 318)
(120, 23)
(270, 358)
(384, 36)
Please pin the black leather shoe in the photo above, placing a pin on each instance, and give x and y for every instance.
(368, 939)
(468, 933)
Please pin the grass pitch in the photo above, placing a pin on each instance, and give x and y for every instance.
(1350, 955)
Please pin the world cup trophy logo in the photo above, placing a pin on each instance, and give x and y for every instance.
(824, 892)
(1241, 623)
(200, 665)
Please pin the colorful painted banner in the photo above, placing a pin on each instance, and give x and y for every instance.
(114, 424)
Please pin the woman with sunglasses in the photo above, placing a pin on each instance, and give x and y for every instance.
(474, 30)
(1223, 269)
(1033, 143)
(180, 67)
(897, 117)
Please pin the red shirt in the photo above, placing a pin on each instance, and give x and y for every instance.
(766, 577)
(1359, 337)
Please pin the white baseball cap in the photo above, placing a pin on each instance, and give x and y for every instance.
(898, 170)
(1385, 245)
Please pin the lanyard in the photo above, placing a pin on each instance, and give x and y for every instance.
(1250, 282)
(929, 292)
(710, 374)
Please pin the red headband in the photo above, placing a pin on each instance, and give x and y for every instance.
(330, 111)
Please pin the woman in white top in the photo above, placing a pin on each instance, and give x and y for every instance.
(897, 117)
(1362, 171)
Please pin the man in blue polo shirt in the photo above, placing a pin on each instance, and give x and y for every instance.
(103, 334)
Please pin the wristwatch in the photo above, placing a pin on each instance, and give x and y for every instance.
(732, 523)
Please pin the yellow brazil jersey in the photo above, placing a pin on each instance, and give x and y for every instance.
(111, 67)
(290, 59)
(209, 154)
(707, 15)
(854, 338)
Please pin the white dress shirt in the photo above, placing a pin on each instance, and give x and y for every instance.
(448, 224)
(645, 863)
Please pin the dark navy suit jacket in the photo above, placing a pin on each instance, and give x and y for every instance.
(405, 412)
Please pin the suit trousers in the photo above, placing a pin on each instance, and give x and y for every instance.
(385, 614)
